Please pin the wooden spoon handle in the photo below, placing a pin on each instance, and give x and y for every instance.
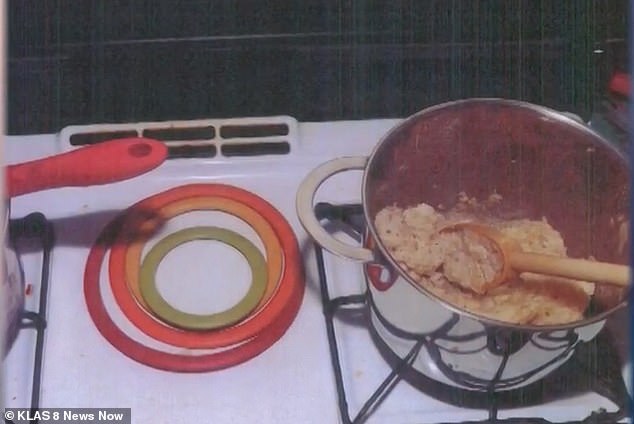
(578, 269)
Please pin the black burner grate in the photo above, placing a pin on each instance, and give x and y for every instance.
(594, 367)
(36, 232)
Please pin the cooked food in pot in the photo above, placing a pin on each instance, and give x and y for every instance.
(455, 267)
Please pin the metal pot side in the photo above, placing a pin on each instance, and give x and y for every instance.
(542, 162)
(11, 290)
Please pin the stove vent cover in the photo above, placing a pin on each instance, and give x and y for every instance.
(206, 138)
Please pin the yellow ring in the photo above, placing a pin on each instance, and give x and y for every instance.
(190, 321)
(264, 230)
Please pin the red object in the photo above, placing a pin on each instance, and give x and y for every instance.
(102, 163)
(261, 331)
(374, 271)
(28, 290)
(620, 84)
(201, 339)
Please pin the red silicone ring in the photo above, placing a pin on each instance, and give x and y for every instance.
(259, 341)
(207, 340)
(132, 243)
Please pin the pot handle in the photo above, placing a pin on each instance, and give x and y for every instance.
(304, 205)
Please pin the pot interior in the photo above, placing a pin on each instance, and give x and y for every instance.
(542, 164)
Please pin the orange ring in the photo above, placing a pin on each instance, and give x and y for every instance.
(291, 282)
(187, 363)
(263, 229)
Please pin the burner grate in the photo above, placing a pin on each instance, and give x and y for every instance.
(35, 231)
(599, 365)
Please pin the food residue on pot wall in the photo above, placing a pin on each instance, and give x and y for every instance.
(552, 168)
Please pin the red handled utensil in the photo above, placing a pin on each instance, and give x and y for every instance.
(102, 163)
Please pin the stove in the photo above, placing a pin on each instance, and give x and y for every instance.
(328, 365)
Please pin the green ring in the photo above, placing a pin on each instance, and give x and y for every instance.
(187, 321)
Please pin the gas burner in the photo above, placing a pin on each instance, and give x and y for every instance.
(593, 368)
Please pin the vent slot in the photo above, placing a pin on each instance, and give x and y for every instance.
(257, 130)
(191, 151)
(181, 134)
(272, 136)
(94, 138)
(256, 149)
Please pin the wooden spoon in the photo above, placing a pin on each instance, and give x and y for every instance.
(515, 260)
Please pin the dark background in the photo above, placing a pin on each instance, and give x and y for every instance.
(88, 61)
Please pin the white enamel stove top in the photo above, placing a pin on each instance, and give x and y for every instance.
(290, 382)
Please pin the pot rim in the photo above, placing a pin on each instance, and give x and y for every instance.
(370, 227)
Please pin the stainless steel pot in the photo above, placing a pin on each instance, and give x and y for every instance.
(106, 162)
(12, 289)
(542, 162)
